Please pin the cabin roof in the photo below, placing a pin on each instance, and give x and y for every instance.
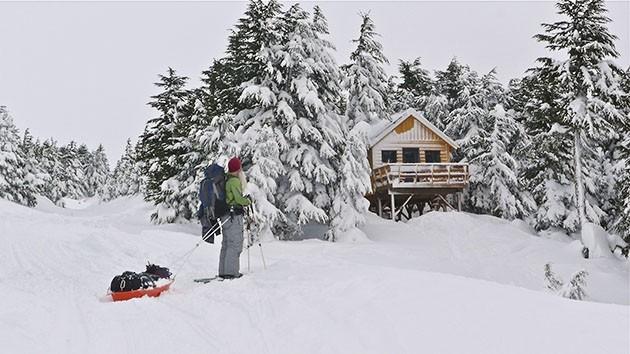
(381, 129)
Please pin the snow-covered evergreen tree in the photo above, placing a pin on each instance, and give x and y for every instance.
(157, 143)
(15, 183)
(588, 83)
(621, 155)
(50, 163)
(202, 146)
(622, 223)
(366, 81)
(492, 90)
(415, 86)
(35, 175)
(415, 78)
(307, 108)
(97, 172)
(553, 283)
(547, 170)
(575, 289)
(436, 109)
(451, 82)
(259, 137)
(469, 118)
(342, 145)
(494, 184)
(125, 179)
(72, 177)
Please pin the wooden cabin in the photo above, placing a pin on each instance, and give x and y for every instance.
(411, 167)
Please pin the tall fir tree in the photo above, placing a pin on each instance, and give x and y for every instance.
(97, 173)
(622, 156)
(589, 83)
(546, 168)
(451, 82)
(415, 78)
(202, 146)
(307, 108)
(157, 143)
(36, 176)
(259, 137)
(49, 159)
(415, 87)
(366, 81)
(495, 187)
(469, 116)
(72, 176)
(14, 177)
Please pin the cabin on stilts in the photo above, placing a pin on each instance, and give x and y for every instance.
(411, 167)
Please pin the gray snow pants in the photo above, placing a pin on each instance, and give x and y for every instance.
(231, 246)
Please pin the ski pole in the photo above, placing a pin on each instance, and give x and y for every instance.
(248, 260)
(214, 229)
(184, 259)
(262, 255)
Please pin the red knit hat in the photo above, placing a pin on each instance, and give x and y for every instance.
(234, 164)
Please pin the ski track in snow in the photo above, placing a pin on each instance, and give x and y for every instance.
(441, 283)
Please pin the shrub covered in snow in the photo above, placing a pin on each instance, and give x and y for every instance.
(575, 289)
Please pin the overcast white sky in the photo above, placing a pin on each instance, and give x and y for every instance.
(85, 70)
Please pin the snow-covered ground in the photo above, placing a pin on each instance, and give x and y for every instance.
(442, 283)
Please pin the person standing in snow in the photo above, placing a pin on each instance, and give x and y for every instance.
(232, 243)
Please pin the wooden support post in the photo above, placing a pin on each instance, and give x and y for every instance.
(404, 205)
(380, 207)
(393, 207)
(459, 201)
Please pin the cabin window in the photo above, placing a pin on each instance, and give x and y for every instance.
(432, 156)
(411, 155)
(388, 156)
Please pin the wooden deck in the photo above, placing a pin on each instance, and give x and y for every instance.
(420, 176)
(412, 185)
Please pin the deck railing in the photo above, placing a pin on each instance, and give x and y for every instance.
(421, 175)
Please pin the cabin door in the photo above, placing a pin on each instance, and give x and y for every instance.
(411, 155)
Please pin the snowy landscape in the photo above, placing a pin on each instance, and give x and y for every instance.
(425, 210)
(443, 283)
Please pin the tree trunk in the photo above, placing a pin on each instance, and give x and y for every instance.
(579, 182)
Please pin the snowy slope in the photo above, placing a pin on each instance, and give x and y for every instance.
(442, 283)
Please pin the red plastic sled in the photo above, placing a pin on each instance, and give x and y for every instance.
(153, 292)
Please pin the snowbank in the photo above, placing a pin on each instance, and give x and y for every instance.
(595, 238)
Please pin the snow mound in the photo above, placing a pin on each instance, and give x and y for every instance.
(595, 238)
(353, 236)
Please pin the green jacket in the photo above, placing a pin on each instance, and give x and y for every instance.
(234, 192)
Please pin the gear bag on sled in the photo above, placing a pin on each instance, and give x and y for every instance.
(129, 281)
(212, 197)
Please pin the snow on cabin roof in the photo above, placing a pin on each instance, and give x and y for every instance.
(381, 129)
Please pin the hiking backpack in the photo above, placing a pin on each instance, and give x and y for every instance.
(212, 193)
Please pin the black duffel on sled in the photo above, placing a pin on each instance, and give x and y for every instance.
(151, 282)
